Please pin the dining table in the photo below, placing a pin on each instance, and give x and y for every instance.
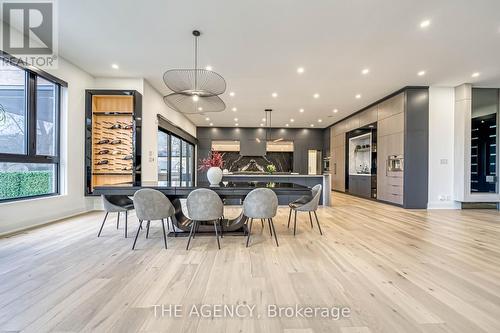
(230, 192)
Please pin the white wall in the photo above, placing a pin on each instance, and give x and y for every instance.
(152, 105)
(119, 83)
(441, 141)
(21, 214)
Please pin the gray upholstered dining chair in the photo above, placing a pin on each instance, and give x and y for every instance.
(151, 205)
(261, 203)
(306, 204)
(116, 204)
(204, 205)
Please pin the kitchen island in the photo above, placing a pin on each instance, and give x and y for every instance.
(305, 180)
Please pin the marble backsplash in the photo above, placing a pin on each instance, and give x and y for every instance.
(234, 162)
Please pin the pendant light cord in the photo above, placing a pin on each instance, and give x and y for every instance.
(195, 63)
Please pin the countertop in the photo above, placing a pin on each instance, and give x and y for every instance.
(269, 175)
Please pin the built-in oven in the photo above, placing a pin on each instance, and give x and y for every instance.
(326, 164)
(395, 163)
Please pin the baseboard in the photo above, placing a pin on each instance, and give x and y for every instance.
(443, 205)
(44, 223)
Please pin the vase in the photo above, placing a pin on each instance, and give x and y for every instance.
(214, 175)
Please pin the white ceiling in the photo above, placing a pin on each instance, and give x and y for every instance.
(258, 45)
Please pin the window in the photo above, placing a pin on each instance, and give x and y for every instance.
(175, 159)
(29, 133)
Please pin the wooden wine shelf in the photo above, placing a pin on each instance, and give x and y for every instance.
(109, 111)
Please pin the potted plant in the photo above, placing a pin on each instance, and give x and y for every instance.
(271, 168)
(213, 165)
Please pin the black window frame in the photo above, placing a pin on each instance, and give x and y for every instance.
(30, 156)
(169, 157)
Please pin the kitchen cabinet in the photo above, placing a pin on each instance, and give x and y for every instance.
(391, 106)
(368, 116)
(389, 183)
(338, 168)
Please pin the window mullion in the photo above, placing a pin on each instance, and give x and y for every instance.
(31, 112)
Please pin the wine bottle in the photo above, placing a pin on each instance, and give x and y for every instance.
(103, 141)
(128, 157)
(102, 162)
(103, 152)
(116, 142)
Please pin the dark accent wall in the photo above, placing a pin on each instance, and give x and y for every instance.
(326, 142)
(303, 140)
(416, 151)
(234, 161)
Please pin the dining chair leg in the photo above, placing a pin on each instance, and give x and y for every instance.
(274, 231)
(289, 217)
(270, 229)
(249, 231)
(310, 220)
(221, 223)
(126, 222)
(295, 223)
(216, 234)
(317, 222)
(262, 223)
(102, 225)
(118, 220)
(197, 227)
(193, 226)
(173, 227)
(164, 233)
(137, 234)
(147, 228)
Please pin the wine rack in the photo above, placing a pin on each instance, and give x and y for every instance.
(113, 138)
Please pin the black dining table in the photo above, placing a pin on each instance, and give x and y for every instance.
(228, 191)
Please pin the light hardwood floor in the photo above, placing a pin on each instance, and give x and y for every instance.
(397, 270)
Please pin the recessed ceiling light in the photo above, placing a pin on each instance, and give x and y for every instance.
(320, 120)
(421, 73)
(211, 124)
(286, 125)
(208, 68)
(312, 125)
(261, 125)
(207, 119)
(200, 108)
(195, 98)
(316, 95)
(274, 94)
(300, 70)
(476, 74)
(264, 119)
(231, 94)
(115, 66)
(425, 23)
(235, 119)
(301, 110)
(236, 124)
(358, 96)
(234, 109)
(292, 120)
(335, 110)
(365, 71)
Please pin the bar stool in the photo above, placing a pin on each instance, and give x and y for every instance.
(204, 205)
(261, 203)
(152, 205)
(305, 204)
(116, 204)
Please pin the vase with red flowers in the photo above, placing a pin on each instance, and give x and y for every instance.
(213, 164)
